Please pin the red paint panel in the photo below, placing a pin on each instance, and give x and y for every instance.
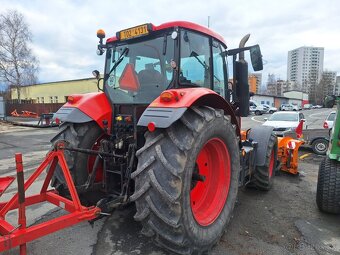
(198, 96)
(95, 105)
(183, 24)
(186, 97)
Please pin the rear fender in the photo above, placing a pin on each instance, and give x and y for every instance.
(261, 135)
(87, 107)
(163, 114)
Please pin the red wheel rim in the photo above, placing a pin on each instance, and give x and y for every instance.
(271, 164)
(92, 159)
(208, 198)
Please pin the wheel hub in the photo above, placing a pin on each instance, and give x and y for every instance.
(211, 179)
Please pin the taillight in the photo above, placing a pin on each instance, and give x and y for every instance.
(151, 126)
(325, 125)
(169, 96)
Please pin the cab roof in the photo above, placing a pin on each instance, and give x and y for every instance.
(182, 24)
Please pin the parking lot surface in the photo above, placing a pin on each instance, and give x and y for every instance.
(284, 220)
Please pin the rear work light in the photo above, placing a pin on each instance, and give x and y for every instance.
(169, 96)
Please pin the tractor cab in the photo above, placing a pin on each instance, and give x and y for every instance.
(143, 61)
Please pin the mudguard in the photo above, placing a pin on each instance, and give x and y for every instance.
(261, 135)
(163, 114)
(87, 107)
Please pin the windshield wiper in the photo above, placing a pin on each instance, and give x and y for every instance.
(119, 60)
(206, 67)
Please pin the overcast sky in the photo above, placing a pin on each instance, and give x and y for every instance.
(65, 31)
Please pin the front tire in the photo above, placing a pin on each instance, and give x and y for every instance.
(263, 176)
(183, 214)
(328, 187)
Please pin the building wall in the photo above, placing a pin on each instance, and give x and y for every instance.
(56, 92)
(296, 97)
(252, 83)
(337, 86)
(330, 82)
(305, 65)
(262, 99)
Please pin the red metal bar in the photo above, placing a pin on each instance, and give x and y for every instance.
(11, 236)
(4, 183)
(28, 183)
(31, 200)
(31, 233)
(69, 181)
(5, 227)
(49, 175)
(21, 195)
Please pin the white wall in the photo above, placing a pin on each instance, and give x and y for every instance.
(263, 99)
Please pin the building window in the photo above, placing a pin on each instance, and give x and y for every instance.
(51, 99)
(56, 99)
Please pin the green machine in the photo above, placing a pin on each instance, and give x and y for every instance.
(328, 187)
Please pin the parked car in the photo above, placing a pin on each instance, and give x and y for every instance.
(256, 108)
(269, 109)
(329, 121)
(316, 106)
(289, 107)
(284, 121)
(307, 106)
(286, 107)
(296, 107)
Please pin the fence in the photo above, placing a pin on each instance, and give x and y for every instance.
(32, 107)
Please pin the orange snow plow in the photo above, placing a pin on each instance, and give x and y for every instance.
(287, 152)
(12, 236)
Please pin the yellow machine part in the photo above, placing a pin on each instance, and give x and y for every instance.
(288, 154)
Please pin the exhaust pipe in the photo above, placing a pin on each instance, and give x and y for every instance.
(242, 86)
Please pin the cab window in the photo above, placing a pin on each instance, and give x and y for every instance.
(195, 60)
(219, 66)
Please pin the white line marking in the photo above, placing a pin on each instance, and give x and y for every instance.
(253, 118)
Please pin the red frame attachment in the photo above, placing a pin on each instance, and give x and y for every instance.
(12, 236)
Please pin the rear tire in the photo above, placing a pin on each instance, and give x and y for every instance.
(257, 113)
(328, 187)
(83, 135)
(320, 146)
(169, 203)
(263, 176)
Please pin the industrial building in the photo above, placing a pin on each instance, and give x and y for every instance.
(55, 92)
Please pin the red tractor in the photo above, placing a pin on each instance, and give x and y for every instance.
(165, 133)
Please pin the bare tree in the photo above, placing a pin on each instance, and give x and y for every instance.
(18, 65)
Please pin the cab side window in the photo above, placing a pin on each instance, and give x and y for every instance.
(195, 59)
(219, 64)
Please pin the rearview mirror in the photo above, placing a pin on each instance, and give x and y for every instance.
(256, 57)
